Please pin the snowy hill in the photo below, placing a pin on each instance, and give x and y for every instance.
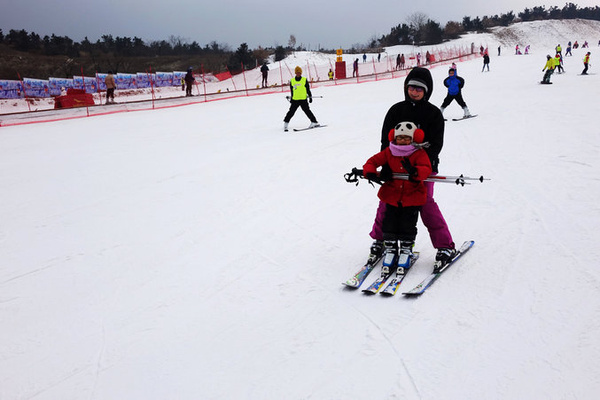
(198, 252)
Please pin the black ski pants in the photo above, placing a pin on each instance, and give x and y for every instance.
(458, 97)
(302, 104)
(400, 223)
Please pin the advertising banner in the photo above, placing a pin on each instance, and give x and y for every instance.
(164, 79)
(57, 85)
(91, 84)
(36, 87)
(10, 89)
(126, 81)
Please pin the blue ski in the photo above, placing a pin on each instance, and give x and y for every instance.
(386, 273)
(427, 282)
(401, 272)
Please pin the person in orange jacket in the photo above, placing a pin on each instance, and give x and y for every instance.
(586, 62)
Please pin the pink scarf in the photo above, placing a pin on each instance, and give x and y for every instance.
(403, 150)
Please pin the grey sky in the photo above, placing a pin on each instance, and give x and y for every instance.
(328, 23)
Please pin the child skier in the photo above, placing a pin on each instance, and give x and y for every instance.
(455, 83)
(403, 198)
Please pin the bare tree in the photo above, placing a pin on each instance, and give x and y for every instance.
(292, 42)
(177, 41)
(417, 22)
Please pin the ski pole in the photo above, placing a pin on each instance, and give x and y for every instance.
(314, 97)
(445, 178)
(356, 173)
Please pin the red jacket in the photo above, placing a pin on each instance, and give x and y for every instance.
(399, 191)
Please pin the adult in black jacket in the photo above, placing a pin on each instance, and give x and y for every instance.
(189, 81)
(416, 108)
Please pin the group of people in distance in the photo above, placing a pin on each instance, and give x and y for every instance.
(556, 63)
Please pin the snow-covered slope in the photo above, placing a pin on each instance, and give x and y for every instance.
(198, 252)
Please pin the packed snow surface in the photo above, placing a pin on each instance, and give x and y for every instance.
(198, 252)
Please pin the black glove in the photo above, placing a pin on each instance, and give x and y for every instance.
(372, 176)
(386, 174)
(310, 99)
(410, 170)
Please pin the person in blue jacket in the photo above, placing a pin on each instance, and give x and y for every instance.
(455, 83)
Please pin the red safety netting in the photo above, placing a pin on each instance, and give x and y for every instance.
(222, 76)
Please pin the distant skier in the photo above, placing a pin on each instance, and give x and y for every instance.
(265, 73)
(558, 63)
(586, 62)
(549, 68)
(109, 81)
(189, 81)
(486, 62)
(301, 96)
(455, 83)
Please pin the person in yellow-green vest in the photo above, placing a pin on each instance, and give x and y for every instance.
(586, 62)
(301, 96)
(549, 68)
(558, 63)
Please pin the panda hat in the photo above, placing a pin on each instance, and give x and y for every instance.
(407, 129)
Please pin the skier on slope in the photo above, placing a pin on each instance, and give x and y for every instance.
(403, 198)
(300, 93)
(549, 68)
(558, 63)
(586, 63)
(418, 86)
(455, 83)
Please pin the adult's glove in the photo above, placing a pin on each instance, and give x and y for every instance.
(386, 174)
(310, 99)
(410, 169)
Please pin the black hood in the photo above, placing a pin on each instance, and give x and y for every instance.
(422, 75)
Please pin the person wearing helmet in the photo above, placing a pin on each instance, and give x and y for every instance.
(403, 198)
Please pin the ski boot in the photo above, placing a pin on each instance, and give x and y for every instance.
(442, 258)
(376, 250)
(390, 256)
(405, 254)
